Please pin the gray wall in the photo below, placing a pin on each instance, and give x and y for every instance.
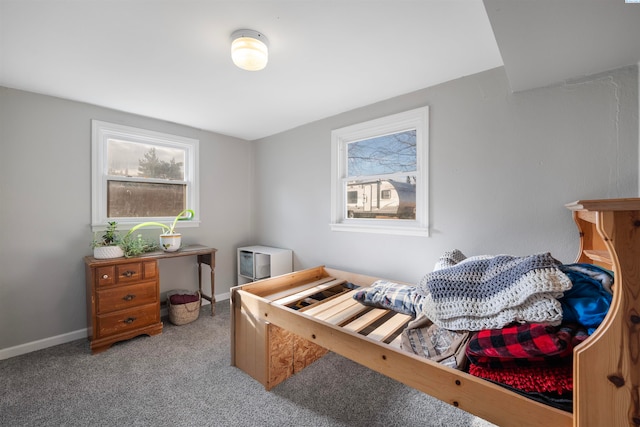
(502, 166)
(45, 212)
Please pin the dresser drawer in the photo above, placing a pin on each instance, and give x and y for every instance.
(127, 320)
(106, 276)
(123, 273)
(130, 272)
(123, 297)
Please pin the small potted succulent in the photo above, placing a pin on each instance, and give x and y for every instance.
(108, 245)
(170, 241)
(136, 245)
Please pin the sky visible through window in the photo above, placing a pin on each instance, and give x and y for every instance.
(124, 156)
(388, 154)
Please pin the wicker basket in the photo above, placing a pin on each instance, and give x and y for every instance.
(183, 313)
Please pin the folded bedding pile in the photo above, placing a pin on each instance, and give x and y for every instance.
(491, 292)
(510, 320)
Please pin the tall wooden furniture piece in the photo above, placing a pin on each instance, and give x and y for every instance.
(606, 367)
(274, 336)
(123, 294)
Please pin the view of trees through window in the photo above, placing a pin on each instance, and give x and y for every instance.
(388, 154)
(145, 180)
(381, 175)
(152, 167)
(134, 159)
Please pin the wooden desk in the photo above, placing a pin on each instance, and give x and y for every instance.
(205, 255)
(123, 294)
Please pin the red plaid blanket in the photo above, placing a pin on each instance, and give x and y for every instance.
(527, 344)
(532, 357)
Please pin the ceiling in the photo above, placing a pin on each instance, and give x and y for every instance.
(543, 42)
(170, 59)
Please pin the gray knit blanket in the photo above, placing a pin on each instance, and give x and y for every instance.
(490, 292)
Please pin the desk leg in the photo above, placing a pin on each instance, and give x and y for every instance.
(213, 286)
(211, 261)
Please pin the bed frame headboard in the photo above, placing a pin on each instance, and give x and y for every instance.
(607, 364)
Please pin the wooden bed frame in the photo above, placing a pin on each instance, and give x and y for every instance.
(272, 341)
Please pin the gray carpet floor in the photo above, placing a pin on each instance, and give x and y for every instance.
(183, 377)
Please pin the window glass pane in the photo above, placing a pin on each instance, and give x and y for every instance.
(142, 199)
(382, 199)
(126, 158)
(382, 155)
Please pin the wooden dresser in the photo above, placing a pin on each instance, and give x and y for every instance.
(123, 295)
(123, 300)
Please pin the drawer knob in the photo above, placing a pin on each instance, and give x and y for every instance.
(105, 276)
(129, 320)
(128, 297)
(128, 273)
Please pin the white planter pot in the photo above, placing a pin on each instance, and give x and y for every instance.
(105, 252)
(170, 242)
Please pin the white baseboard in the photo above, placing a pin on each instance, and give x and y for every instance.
(18, 350)
(6, 353)
(222, 297)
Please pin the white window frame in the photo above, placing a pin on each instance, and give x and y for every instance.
(417, 119)
(101, 132)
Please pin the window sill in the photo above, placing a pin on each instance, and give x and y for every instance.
(382, 229)
(124, 226)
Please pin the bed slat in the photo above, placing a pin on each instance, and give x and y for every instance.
(363, 321)
(389, 327)
(299, 292)
(351, 311)
(331, 305)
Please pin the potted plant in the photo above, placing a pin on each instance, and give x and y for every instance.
(108, 246)
(136, 245)
(170, 241)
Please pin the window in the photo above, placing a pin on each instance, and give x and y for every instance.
(140, 175)
(379, 175)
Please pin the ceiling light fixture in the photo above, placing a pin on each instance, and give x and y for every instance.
(249, 49)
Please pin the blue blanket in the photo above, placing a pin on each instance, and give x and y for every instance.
(588, 301)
